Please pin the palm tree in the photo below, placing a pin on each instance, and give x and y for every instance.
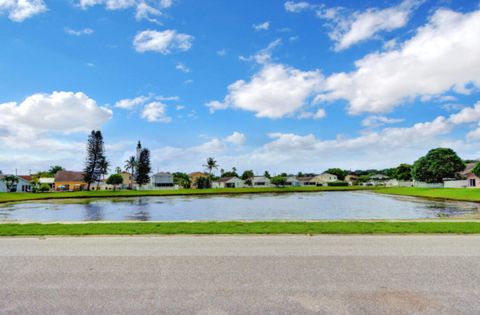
(211, 165)
(131, 164)
(10, 182)
(104, 168)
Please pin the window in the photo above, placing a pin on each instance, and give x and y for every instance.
(473, 182)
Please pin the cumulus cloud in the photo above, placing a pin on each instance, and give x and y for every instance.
(262, 26)
(236, 138)
(319, 114)
(85, 31)
(149, 10)
(377, 121)
(20, 10)
(360, 26)
(155, 112)
(467, 115)
(274, 92)
(443, 55)
(163, 42)
(295, 7)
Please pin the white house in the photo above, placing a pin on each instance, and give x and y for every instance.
(228, 182)
(377, 180)
(261, 181)
(292, 181)
(306, 181)
(23, 185)
(162, 180)
(324, 179)
(399, 183)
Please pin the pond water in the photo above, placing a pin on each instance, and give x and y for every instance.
(294, 206)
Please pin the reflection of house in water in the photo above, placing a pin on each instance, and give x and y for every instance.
(94, 212)
(141, 215)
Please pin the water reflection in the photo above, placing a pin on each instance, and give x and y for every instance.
(295, 206)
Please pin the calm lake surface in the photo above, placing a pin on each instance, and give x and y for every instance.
(294, 206)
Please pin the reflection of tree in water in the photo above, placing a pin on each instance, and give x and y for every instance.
(141, 215)
(93, 212)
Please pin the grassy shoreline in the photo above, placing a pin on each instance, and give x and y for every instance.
(18, 197)
(238, 228)
(455, 194)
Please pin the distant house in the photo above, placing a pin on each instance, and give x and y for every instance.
(261, 181)
(194, 177)
(50, 181)
(23, 184)
(306, 181)
(292, 181)
(228, 182)
(472, 180)
(162, 180)
(399, 183)
(128, 180)
(377, 180)
(324, 179)
(69, 181)
(352, 180)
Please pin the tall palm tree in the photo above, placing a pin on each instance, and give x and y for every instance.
(104, 168)
(131, 164)
(211, 165)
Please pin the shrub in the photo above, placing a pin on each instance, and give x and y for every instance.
(44, 188)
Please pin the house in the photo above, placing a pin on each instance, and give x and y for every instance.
(292, 181)
(50, 181)
(473, 181)
(194, 176)
(324, 179)
(128, 181)
(399, 183)
(352, 180)
(306, 181)
(69, 181)
(23, 184)
(162, 180)
(228, 182)
(377, 180)
(261, 181)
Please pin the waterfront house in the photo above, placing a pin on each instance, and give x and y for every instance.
(69, 181)
(261, 181)
(306, 181)
(50, 181)
(23, 184)
(228, 182)
(324, 179)
(377, 180)
(472, 180)
(162, 180)
(128, 181)
(351, 180)
(292, 181)
(194, 177)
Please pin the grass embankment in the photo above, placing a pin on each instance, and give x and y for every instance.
(14, 197)
(459, 194)
(208, 228)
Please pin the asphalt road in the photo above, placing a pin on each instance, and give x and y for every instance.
(241, 275)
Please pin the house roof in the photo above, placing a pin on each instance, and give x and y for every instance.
(305, 178)
(69, 176)
(46, 180)
(226, 179)
(195, 174)
(327, 174)
(162, 174)
(469, 168)
(379, 176)
(26, 177)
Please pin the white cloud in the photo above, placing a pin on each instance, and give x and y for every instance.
(163, 42)
(144, 9)
(59, 111)
(222, 52)
(264, 55)
(262, 26)
(360, 26)
(85, 31)
(378, 121)
(182, 67)
(295, 7)
(20, 10)
(274, 92)
(319, 114)
(443, 55)
(130, 103)
(155, 112)
(467, 115)
(236, 138)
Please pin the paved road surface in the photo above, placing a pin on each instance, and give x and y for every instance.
(241, 275)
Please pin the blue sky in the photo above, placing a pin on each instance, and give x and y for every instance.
(278, 85)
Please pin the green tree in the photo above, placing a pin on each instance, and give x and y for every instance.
(211, 165)
(267, 174)
(10, 182)
(131, 165)
(115, 180)
(95, 162)
(279, 180)
(143, 168)
(248, 174)
(403, 172)
(182, 180)
(55, 169)
(476, 170)
(438, 164)
(104, 168)
(337, 171)
(203, 182)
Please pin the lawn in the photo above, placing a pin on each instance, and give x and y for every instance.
(13, 197)
(208, 228)
(461, 194)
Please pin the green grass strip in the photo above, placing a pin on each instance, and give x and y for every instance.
(153, 228)
(16, 197)
(459, 194)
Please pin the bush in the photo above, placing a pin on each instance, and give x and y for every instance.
(339, 183)
(44, 188)
(203, 183)
(279, 181)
